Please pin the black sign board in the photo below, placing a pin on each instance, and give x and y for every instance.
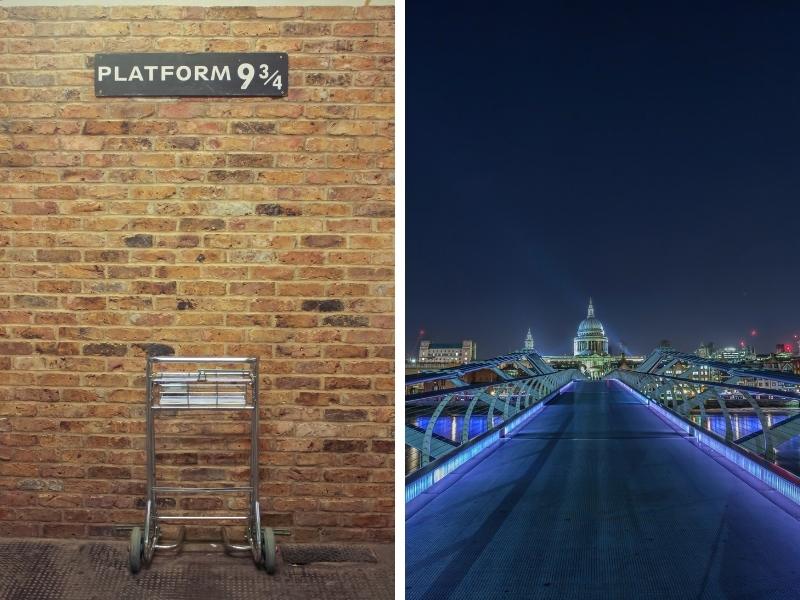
(176, 74)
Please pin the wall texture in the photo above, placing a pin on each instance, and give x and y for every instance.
(248, 226)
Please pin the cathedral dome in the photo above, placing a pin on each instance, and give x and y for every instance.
(591, 326)
(591, 337)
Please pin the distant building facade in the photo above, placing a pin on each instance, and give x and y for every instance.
(431, 353)
(780, 361)
(732, 354)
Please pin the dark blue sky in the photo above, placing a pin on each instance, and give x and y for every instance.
(643, 153)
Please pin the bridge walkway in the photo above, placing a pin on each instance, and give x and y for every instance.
(598, 498)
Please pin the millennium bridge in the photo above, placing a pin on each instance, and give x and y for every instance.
(674, 480)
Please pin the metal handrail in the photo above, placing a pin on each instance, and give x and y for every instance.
(727, 443)
(468, 388)
(731, 368)
(670, 392)
(734, 386)
(516, 396)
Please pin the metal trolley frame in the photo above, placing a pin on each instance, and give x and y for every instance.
(204, 389)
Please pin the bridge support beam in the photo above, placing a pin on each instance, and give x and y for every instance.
(426, 444)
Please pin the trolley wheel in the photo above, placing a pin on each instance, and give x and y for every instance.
(135, 550)
(268, 549)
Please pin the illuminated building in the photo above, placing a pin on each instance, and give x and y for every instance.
(591, 338)
(447, 354)
(735, 355)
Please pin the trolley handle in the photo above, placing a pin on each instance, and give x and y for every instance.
(202, 359)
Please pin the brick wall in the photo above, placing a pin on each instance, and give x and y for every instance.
(248, 226)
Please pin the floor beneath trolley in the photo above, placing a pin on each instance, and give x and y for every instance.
(95, 570)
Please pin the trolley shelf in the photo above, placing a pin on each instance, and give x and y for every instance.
(205, 375)
(208, 490)
(199, 407)
(203, 518)
(205, 387)
(201, 377)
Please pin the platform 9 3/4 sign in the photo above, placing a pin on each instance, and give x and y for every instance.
(208, 74)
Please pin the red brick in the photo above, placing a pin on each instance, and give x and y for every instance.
(15, 348)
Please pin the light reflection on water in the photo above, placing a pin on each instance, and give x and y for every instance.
(742, 423)
(787, 453)
(451, 427)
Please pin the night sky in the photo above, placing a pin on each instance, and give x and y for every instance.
(644, 154)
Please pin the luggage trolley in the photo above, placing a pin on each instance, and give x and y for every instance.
(217, 384)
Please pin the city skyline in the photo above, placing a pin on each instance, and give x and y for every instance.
(617, 345)
(641, 155)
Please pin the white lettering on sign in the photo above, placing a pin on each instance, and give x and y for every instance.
(245, 73)
(223, 75)
(182, 73)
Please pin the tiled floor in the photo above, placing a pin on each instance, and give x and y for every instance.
(93, 570)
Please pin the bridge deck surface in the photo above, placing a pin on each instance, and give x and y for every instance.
(597, 497)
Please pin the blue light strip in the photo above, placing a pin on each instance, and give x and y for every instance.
(416, 487)
(787, 488)
(523, 418)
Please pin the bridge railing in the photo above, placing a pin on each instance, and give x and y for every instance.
(439, 421)
(446, 428)
(453, 414)
(743, 391)
(501, 367)
(666, 361)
